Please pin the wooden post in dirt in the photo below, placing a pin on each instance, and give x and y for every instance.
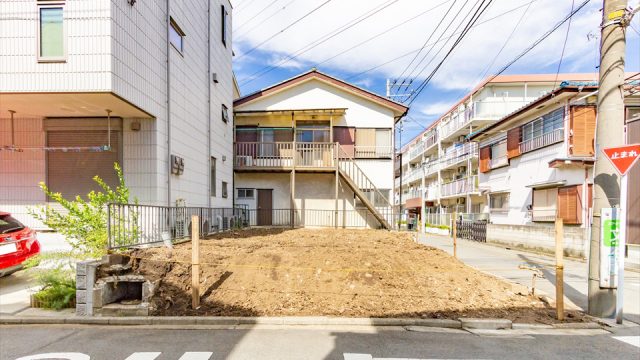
(195, 262)
(455, 235)
(559, 269)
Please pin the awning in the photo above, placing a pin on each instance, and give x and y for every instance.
(547, 184)
(575, 162)
(329, 111)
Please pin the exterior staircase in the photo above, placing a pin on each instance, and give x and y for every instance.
(364, 188)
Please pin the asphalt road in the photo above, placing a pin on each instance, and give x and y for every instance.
(120, 343)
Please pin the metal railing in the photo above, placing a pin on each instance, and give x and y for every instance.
(349, 167)
(543, 140)
(484, 109)
(456, 154)
(132, 225)
(315, 155)
(416, 151)
(460, 187)
(258, 154)
(373, 152)
(359, 218)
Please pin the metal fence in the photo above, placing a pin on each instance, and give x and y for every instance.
(359, 218)
(130, 225)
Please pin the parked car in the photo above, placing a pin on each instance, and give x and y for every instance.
(17, 244)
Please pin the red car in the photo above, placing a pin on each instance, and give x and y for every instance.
(17, 244)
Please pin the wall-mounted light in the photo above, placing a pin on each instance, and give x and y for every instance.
(214, 77)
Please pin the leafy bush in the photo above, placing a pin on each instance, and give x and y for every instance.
(443, 227)
(84, 222)
(58, 288)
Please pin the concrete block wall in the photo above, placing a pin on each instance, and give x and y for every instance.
(85, 279)
(539, 237)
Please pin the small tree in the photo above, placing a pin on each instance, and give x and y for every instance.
(84, 222)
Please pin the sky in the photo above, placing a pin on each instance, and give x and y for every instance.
(366, 42)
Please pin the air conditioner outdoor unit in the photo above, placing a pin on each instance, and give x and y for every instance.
(461, 201)
(245, 160)
(461, 138)
(462, 169)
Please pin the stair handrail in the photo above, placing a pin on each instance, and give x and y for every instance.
(342, 155)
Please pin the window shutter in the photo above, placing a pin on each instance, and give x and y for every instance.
(568, 205)
(485, 157)
(345, 136)
(513, 142)
(583, 127)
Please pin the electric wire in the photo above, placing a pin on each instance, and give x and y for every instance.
(240, 35)
(258, 13)
(566, 37)
(322, 39)
(478, 13)
(284, 29)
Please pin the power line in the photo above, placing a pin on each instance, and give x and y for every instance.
(474, 18)
(415, 50)
(322, 39)
(441, 48)
(240, 35)
(427, 40)
(284, 29)
(244, 4)
(258, 13)
(564, 46)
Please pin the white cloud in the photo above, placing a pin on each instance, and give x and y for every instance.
(464, 67)
(435, 108)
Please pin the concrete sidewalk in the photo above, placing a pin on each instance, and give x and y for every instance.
(504, 263)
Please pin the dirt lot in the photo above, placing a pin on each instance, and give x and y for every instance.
(355, 273)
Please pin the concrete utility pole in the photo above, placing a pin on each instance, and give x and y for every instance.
(609, 132)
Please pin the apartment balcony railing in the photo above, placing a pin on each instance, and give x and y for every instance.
(413, 194)
(456, 154)
(431, 193)
(373, 152)
(411, 175)
(431, 139)
(542, 140)
(460, 187)
(431, 168)
(416, 151)
(485, 109)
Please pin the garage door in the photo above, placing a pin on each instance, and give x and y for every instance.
(71, 173)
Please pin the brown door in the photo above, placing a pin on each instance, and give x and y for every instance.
(265, 207)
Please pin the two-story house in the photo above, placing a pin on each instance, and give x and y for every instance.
(314, 150)
(84, 84)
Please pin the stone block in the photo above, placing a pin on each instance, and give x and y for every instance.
(441, 323)
(81, 296)
(81, 282)
(97, 297)
(81, 310)
(485, 324)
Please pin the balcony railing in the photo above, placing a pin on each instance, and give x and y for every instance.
(431, 193)
(373, 152)
(416, 151)
(542, 140)
(485, 109)
(281, 154)
(456, 154)
(413, 194)
(460, 187)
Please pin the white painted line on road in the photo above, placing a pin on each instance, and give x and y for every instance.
(354, 356)
(631, 340)
(143, 356)
(196, 355)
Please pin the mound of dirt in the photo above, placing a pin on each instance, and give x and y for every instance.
(353, 273)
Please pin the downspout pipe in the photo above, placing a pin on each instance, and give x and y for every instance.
(168, 6)
(209, 81)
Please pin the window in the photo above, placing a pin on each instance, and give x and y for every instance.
(225, 113)
(543, 125)
(544, 204)
(51, 33)
(213, 176)
(176, 36)
(223, 23)
(245, 194)
(499, 203)
(224, 190)
(313, 131)
(373, 143)
(499, 154)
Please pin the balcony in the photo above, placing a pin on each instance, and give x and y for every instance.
(457, 154)
(487, 110)
(460, 187)
(543, 140)
(431, 193)
(373, 152)
(412, 175)
(281, 155)
(416, 151)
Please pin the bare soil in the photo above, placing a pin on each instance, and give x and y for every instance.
(351, 273)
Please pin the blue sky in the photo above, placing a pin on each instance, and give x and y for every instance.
(397, 27)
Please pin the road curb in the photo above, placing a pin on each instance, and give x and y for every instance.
(462, 323)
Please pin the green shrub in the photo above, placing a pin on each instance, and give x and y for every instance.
(58, 288)
(443, 227)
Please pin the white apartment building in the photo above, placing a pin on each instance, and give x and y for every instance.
(86, 83)
(440, 166)
(536, 165)
(316, 151)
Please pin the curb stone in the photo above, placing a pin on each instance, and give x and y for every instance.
(485, 324)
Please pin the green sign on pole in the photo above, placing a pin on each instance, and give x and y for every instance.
(611, 232)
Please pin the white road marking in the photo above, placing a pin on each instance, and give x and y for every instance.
(196, 355)
(64, 356)
(354, 356)
(143, 356)
(631, 340)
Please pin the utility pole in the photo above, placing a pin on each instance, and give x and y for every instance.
(609, 132)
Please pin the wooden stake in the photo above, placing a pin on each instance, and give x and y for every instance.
(195, 262)
(559, 269)
(455, 235)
